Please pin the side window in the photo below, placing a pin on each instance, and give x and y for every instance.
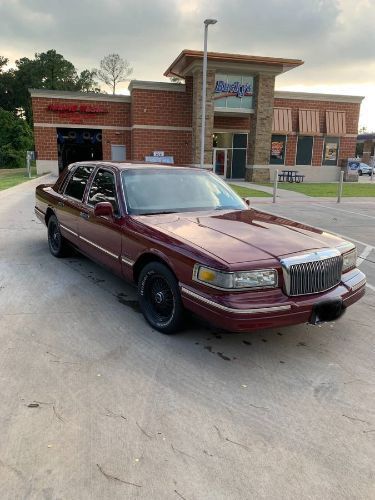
(103, 188)
(77, 183)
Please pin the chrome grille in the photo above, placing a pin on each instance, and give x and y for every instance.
(312, 273)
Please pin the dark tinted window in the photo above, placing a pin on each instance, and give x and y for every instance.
(77, 183)
(103, 188)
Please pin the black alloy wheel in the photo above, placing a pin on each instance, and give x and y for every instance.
(160, 298)
(56, 241)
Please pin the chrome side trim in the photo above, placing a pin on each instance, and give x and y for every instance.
(127, 261)
(231, 309)
(38, 211)
(99, 247)
(69, 230)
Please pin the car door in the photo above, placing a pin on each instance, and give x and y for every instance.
(69, 203)
(100, 237)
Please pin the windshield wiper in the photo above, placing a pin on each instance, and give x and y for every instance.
(226, 208)
(159, 213)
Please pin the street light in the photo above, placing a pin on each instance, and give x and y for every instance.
(207, 22)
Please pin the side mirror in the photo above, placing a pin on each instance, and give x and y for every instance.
(103, 209)
(247, 201)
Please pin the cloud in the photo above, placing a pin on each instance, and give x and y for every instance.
(335, 38)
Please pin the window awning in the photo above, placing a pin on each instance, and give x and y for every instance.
(282, 120)
(309, 121)
(336, 123)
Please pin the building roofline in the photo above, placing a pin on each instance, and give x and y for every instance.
(82, 96)
(181, 62)
(150, 85)
(312, 96)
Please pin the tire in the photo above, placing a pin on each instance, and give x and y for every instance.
(56, 242)
(160, 299)
(359, 172)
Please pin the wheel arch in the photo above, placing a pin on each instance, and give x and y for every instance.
(48, 215)
(146, 258)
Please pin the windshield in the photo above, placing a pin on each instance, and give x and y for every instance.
(165, 191)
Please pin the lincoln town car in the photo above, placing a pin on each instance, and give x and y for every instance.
(190, 244)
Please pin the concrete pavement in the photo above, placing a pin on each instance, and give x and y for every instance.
(97, 405)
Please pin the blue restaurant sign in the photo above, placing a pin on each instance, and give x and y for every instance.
(237, 89)
(234, 91)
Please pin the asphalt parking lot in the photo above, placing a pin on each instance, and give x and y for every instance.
(119, 411)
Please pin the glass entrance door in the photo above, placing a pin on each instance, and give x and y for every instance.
(220, 158)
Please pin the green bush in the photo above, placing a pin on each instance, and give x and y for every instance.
(15, 139)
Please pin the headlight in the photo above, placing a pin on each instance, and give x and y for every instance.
(260, 278)
(349, 260)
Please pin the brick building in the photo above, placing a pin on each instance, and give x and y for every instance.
(251, 129)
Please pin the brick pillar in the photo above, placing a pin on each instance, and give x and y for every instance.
(317, 156)
(261, 129)
(367, 147)
(291, 149)
(197, 116)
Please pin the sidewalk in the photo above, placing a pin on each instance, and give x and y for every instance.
(281, 193)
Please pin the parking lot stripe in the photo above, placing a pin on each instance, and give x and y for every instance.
(346, 211)
(366, 252)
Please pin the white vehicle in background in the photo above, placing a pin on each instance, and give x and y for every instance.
(365, 169)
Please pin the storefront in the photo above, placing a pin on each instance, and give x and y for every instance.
(251, 129)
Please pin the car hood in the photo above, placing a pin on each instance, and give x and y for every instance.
(241, 236)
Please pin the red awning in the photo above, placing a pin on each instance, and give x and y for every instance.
(309, 122)
(336, 122)
(282, 120)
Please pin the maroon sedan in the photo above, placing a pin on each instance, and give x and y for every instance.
(191, 244)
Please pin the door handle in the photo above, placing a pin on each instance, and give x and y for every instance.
(84, 215)
(60, 203)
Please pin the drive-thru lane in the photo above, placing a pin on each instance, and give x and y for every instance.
(119, 411)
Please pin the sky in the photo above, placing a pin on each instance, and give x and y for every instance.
(335, 38)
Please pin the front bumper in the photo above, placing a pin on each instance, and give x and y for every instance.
(246, 311)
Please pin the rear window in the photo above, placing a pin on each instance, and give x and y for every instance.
(77, 183)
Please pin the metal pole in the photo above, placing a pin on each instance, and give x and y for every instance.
(275, 181)
(340, 186)
(204, 85)
(372, 165)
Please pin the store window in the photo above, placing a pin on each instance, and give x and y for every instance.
(234, 91)
(331, 150)
(304, 150)
(359, 149)
(278, 148)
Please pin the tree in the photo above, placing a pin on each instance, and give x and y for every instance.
(48, 70)
(15, 139)
(175, 79)
(113, 70)
(86, 82)
(3, 62)
(6, 86)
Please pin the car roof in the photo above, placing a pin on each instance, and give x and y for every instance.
(136, 165)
